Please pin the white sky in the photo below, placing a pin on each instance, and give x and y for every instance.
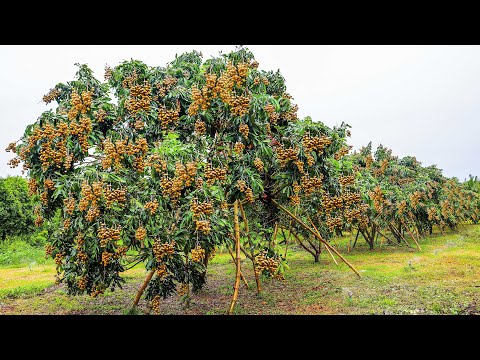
(416, 100)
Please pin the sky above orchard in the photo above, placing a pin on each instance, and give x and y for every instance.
(416, 100)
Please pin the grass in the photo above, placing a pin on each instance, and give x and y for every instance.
(444, 278)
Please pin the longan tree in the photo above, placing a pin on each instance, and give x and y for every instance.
(154, 173)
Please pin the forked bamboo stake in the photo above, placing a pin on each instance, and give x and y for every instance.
(237, 253)
(311, 222)
(411, 235)
(392, 227)
(252, 258)
(316, 235)
(142, 289)
(241, 273)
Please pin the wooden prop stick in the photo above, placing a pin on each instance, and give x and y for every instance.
(274, 237)
(142, 289)
(237, 253)
(311, 222)
(252, 258)
(316, 235)
(241, 274)
(411, 235)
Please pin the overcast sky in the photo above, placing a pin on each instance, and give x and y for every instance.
(416, 100)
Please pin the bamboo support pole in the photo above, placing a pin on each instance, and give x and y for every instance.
(316, 235)
(241, 273)
(311, 222)
(142, 288)
(250, 242)
(237, 253)
(411, 235)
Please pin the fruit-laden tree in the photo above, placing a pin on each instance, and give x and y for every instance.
(405, 198)
(320, 184)
(154, 175)
(16, 208)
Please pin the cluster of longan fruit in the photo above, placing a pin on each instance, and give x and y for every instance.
(58, 258)
(316, 143)
(167, 116)
(311, 183)
(200, 127)
(156, 304)
(140, 234)
(212, 174)
(164, 86)
(80, 104)
(346, 180)
(114, 153)
(138, 124)
(350, 198)
(51, 95)
(203, 226)
(106, 257)
(183, 289)
(152, 206)
(198, 209)
(108, 73)
(92, 213)
(140, 98)
(239, 147)
(352, 214)
(330, 203)
(48, 250)
(333, 222)
(285, 155)
(258, 163)
(368, 161)
(82, 282)
(49, 184)
(32, 186)
(82, 256)
(223, 88)
(160, 250)
(198, 254)
(291, 115)
(69, 204)
(82, 130)
(378, 199)
(38, 221)
(415, 198)
(44, 198)
(161, 270)
(108, 234)
(244, 130)
(239, 105)
(157, 162)
(97, 292)
(271, 113)
(263, 262)
(342, 152)
(445, 208)
(100, 115)
(90, 196)
(246, 190)
(66, 223)
(116, 195)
